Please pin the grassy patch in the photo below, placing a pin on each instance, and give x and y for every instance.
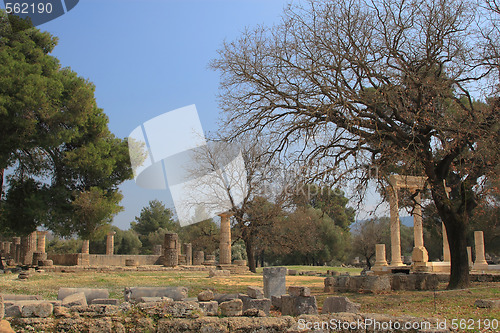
(444, 304)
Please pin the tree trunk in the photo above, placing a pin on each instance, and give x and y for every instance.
(457, 239)
(250, 254)
(368, 263)
(1, 182)
(456, 228)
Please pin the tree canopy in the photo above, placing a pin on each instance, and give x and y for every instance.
(342, 86)
(56, 148)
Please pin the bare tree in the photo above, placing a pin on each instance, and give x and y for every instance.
(245, 189)
(340, 85)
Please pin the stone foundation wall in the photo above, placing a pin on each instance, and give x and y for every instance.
(381, 283)
(75, 259)
(110, 319)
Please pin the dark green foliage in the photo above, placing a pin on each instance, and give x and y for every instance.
(152, 223)
(55, 143)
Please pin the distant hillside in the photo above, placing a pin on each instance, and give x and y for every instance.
(405, 220)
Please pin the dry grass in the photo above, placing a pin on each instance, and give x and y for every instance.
(444, 304)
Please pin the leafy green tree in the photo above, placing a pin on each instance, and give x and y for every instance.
(64, 246)
(203, 236)
(127, 242)
(152, 223)
(56, 141)
(331, 201)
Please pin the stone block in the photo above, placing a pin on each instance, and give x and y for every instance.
(210, 308)
(292, 272)
(253, 313)
(240, 262)
(232, 308)
(339, 304)
(106, 301)
(131, 263)
(13, 310)
(274, 281)
(225, 297)
(403, 281)
(218, 273)
(299, 291)
(487, 303)
(263, 304)
(147, 299)
(329, 285)
(355, 283)
(45, 263)
(77, 299)
(426, 281)
(419, 254)
(40, 310)
(376, 284)
(342, 283)
(276, 301)
(90, 293)
(206, 295)
(255, 292)
(133, 294)
(298, 305)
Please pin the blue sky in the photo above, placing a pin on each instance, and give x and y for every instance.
(149, 57)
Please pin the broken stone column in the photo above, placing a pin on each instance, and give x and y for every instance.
(446, 246)
(110, 243)
(157, 250)
(274, 281)
(380, 260)
(6, 248)
(188, 252)
(41, 235)
(419, 254)
(85, 246)
(480, 262)
(16, 248)
(170, 250)
(225, 239)
(28, 246)
(199, 258)
(395, 227)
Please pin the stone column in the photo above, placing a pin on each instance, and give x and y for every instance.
(199, 258)
(28, 246)
(110, 243)
(480, 262)
(85, 246)
(419, 254)
(7, 248)
(380, 259)
(188, 251)
(41, 241)
(16, 249)
(395, 227)
(446, 246)
(157, 250)
(170, 250)
(225, 239)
